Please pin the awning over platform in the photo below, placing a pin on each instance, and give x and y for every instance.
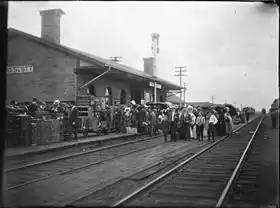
(123, 76)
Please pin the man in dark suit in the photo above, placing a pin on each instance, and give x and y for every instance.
(74, 120)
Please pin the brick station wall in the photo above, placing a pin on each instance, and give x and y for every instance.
(53, 76)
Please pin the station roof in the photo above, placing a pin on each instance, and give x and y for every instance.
(95, 59)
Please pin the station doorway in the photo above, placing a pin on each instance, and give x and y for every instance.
(136, 96)
(123, 97)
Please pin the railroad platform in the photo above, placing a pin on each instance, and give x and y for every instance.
(33, 150)
(21, 151)
(269, 169)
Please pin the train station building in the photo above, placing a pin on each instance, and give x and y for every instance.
(42, 67)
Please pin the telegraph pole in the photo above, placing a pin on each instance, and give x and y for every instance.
(212, 98)
(180, 74)
(185, 89)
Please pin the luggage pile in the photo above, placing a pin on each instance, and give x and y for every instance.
(18, 131)
(24, 131)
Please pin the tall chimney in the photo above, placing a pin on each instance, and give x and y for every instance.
(149, 64)
(50, 24)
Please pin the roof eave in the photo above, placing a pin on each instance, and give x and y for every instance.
(101, 63)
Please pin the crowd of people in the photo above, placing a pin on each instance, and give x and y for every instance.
(30, 108)
(180, 123)
(190, 123)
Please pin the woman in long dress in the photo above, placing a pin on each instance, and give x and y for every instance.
(165, 125)
(229, 123)
(192, 123)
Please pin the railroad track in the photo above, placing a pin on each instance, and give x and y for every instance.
(203, 179)
(34, 172)
(113, 191)
(245, 188)
(126, 185)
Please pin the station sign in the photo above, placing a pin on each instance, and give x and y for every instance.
(152, 84)
(20, 69)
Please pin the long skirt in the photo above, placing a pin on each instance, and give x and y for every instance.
(193, 132)
(228, 127)
(220, 127)
(185, 131)
(173, 130)
(127, 123)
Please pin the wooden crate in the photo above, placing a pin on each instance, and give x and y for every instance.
(50, 132)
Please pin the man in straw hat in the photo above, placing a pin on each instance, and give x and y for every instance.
(192, 122)
(200, 121)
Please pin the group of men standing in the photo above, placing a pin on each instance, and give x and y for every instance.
(189, 123)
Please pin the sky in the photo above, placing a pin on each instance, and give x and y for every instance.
(230, 48)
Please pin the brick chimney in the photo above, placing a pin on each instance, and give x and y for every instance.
(149, 64)
(50, 24)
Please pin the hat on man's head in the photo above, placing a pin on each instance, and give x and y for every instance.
(190, 108)
(56, 102)
(213, 111)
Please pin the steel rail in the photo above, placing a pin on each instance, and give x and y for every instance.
(126, 177)
(78, 154)
(84, 166)
(143, 188)
(237, 168)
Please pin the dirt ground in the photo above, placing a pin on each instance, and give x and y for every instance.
(269, 169)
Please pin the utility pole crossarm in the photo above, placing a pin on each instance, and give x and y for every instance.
(180, 74)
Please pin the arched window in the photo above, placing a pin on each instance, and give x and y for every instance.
(91, 90)
(109, 96)
(161, 99)
(123, 97)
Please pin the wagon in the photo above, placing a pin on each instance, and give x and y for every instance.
(93, 125)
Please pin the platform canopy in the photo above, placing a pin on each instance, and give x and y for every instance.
(121, 72)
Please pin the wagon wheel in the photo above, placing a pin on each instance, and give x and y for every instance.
(75, 134)
(98, 133)
(85, 133)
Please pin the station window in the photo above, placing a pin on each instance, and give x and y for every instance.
(91, 90)
(109, 96)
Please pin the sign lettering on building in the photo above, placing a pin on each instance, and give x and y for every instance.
(20, 69)
(152, 84)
